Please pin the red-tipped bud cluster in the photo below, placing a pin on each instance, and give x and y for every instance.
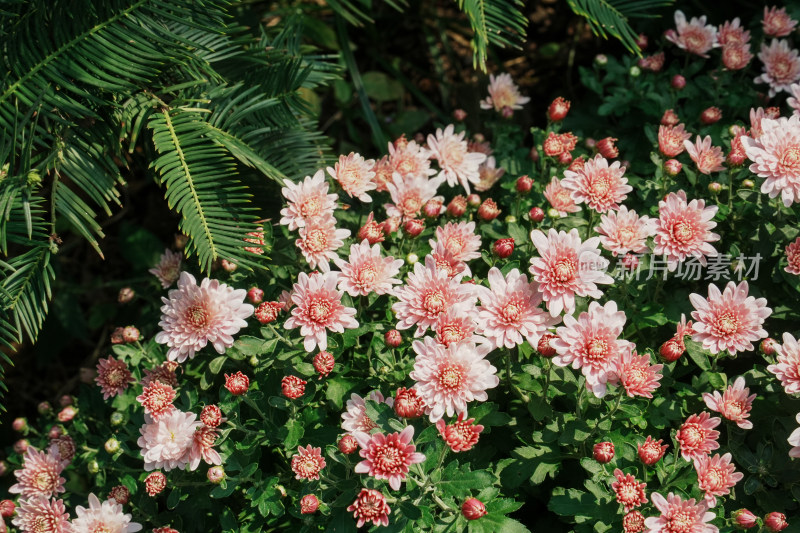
(744, 519)
(504, 248)
(348, 444)
(432, 208)
(536, 214)
(558, 109)
(524, 184)
(293, 387)
(633, 522)
(309, 503)
(323, 363)
(711, 115)
(407, 404)
(120, 494)
(155, 483)
(603, 452)
(473, 508)
(457, 206)
(237, 384)
(255, 295)
(544, 346)
(393, 338)
(211, 416)
(413, 227)
(670, 118)
(488, 210)
(607, 148)
(267, 312)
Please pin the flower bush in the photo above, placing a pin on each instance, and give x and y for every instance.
(478, 331)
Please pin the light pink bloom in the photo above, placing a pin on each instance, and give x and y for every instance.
(732, 33)
(793, 257)
(167, 443)
(591, 343)
(113, 377)
(794, 100)
(38, 514)
(355, 416)
(707, 158)
(365, 271)
(319, 240)
(736, 56)
(567, 267)
(40, 474)
(781, 66)
(168, 268)
(203, 448)
(625, 231)
(679, 516)
(318, 308)
(306, 200)
(600, 186)
(671, 139)
(695, 37)
(509, 313)
(447, 378)
(716, 476)
(428, 293)
(756, 116)
(195, 315)
(734, 404)
(560, 197)
(410, 160)
(457, 163)
(787, 369)
(503, 94)
(636, 375)
(490, 173)
(307, 462)
(730, 320)
(409, 193)
(383, 173)
(387, 456)
(777, 23)
(697, 435)
(460, 239)
(630, 493)
(794, 440)
(684, 230)
(107, 516)
(447, 261)
(355, 176)
(455, 325)
(776, 157)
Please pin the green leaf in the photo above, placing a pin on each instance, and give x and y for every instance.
(572, 502)
(698, 354)
(216, 364)
(459, 481)
(381, 87)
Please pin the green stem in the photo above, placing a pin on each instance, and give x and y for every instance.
(278, 335)
(511, 387)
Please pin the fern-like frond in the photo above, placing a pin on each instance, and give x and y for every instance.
(610, 17)
(497, 22)
(26, 291)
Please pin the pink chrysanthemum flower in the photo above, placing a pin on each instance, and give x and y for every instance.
(455, 325)
(365, 271)
(794, 100)
(410, 160)
(40, 474)
(460, 239)
(716, 476)
(370, 505)
(428, 293)
(684, 230)
(387, 456)
(355, 416)
(113, 377)
(679, 516)
(461, 435)
(168, 268)
(600, 186)
(195, 315)
(794, 440)
(734, 404)
(157, 398)
(736, 56)
(567, 267)
(503, 94)
(319, 240)
(707, 158)
(781, 66)
(630, 493)
(509, 313)
(306, 200)
(40, 515)
(457, 163)
(165, 373)
(167, 443)
(203, 448)
(671, 139)
(560, 198)
(383, 173)
(409, 193)
(355, 176)
(447, 261)
(625, 231)
(732, 33)
(787, 368)
(636, 375)
(776, 157)
(729, 320)
(307, 462)
(447, 378)
(591, 343)
(107, 516)
(777, 23)
(651, 451)
(695, 36)
(318, 308)
(697, 435)
(489, 173)
(756, 116)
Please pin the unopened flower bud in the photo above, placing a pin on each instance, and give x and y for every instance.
(607, 148)
(155, 483)
(457, 206)
(672, 350)
(120, 494)
(293, 387)
(473, 200)
(54, 432)
(775, 522)
(216, 474)
(20, 425)
(473, 509)
(670, 118)
(635, 71)
(769, 346)
(488, 210)
(565, 158)
(459, 115)
(412, 258)
(714, 187)
(744, 519)
(228, 266)
(92, 466)
(633, 522)
(524, 184)
(44, 407)
(130, 334)
(393, 338)
(390, 225)
(237, 384)
(255, 295)
(309, 503)
(534, 154)
(678, 82)
(324, 363)
(558, 109)
(21, 446)
(7, 508)
(348, 444)
(432, 208)
(600, 60)
(711, 115)
(504, 248)
(603, 452)
(117, 418)
(748, 184)
(67, 414)
(544, 347)
(111, 445)
(736, 158)
(413, 227)
(552, 212)
(536, 214)
(672, 167)
(126, 294)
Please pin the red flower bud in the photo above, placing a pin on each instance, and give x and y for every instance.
(348, 444)
(413, 227)
(744, 519)
(504, 247)
(457, 206)
(558, 109)
(603, 452)
(678, 82)
(775, 522)
(309, 504)
(393, 338)
(488, 210)
(536, 214)
(524, 184)
(293, 387)
(710, 115)
(607, 148)
(237, 384)
(472, 509)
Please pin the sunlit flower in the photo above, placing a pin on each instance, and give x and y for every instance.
(168, 268)
(560, 197)
(319, 240)
(387, 456)
(651, 451)
(630, 493)
(157, 398)
(489, 173)
(679, 516)
(636, 375)
(355, 416)
(41, 515)
(370, 505)
(708, 158)
(787, 368)
(410, 160)
(625, 231)
(40, 474)
(456, 325)
(776, 157)
(716, 476)
(695, 36)
(734, 404)
(113, 377)
(457, 164)
(777, 23)
(447, 378)
(729, 320)
(195, 315)
(567, 267)
(683, 229)
(460, 239)
(203, 448)
(306, 200)
(503, 94)
(365, 271)
(318, 308)
(167, 443)
(409, 193)
(307, 462)
(107, 516)
(598, 185)
(671, 139)
(355, 176)
(697, 435)
(460, 435)
(781, 66)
